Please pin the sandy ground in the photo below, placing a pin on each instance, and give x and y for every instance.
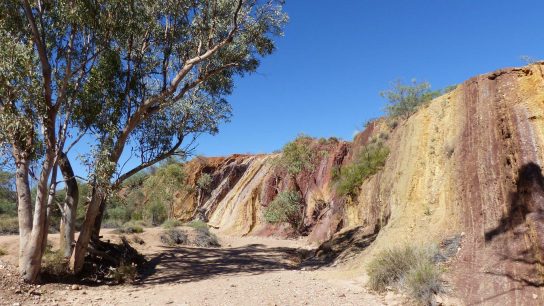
(245, 271)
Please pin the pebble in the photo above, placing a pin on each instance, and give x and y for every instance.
(75, 287)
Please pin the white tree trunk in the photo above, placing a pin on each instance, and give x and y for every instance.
(33, 244)
(69, 210)
(80, 250)
(24, 206)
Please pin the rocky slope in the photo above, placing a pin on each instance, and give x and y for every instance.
(467, 164)
(243, 185)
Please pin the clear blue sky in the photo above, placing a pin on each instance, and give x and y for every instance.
(336, 56)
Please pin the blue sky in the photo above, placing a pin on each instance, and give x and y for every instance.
(336, 56)
(325, 77)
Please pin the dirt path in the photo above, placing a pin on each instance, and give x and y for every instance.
(248, 271)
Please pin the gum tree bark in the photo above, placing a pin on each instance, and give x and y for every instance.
(33, 244)
(69, 209)
(24, 199)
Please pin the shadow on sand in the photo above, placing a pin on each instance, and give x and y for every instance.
(183, 264)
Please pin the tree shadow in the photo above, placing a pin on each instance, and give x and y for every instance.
(341, 247)
(522, 263)
(527, 198)
(184, 264)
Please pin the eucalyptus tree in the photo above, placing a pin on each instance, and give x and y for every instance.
(141, 74)
(162, 81)
(47, 49)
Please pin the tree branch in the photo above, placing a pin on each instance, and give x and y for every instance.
(150, 163)
(142, 112)
(42, 52)
(76, 141)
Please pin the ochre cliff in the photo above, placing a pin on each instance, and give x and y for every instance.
(468, 163)
(243, 185)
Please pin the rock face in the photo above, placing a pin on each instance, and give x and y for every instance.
(243, 185)
(468, 162)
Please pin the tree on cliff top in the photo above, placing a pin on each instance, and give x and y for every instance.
(145, 75)
(404, 99)
(297, 156)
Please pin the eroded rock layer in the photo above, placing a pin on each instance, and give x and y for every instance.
(469, 163)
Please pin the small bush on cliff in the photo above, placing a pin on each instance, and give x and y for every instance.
(404, 99)
(366, 163)
(409, 268)
(297, 156)
(284, 208)
(204, 181)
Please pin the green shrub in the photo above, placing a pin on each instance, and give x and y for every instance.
(173, 237)
(3, 252)
(155, 212)
(171, 223)
(131, 227)
(160, 189)
(112, 223)
(117, 213)
(204, 181)
(9, 225)
(297, 156)
(204, 238)
(8, 208)
(423, 281)
(197, 224)
(404, 99)
(54, 262)
(201, 237)
(367, 162)
(284, 208)
(390, 266)
(409, 268)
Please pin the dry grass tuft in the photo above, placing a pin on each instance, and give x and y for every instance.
(408, 268)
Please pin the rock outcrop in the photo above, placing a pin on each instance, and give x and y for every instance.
(469, 163)
(243, 185)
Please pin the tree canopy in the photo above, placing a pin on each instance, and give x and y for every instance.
(404, 99)
(140, 75)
